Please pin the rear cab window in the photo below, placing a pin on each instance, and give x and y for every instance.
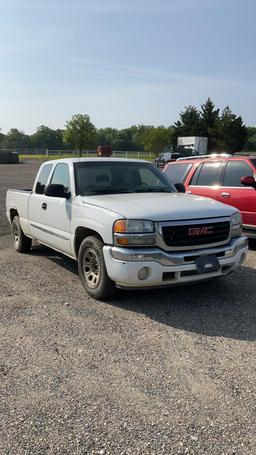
(177, 173)
(42, 178)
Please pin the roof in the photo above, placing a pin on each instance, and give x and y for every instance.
(96, 159)
(214, 158)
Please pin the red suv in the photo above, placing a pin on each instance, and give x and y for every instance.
(230, 180)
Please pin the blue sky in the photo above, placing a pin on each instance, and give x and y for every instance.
(124, 62)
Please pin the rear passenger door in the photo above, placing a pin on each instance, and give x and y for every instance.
(234, 193)
(206, 179)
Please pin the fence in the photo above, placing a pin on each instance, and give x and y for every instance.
(46, 153)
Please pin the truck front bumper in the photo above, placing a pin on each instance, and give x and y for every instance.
(160, 268)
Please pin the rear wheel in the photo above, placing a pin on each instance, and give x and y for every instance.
(21, 242)
(92, 269)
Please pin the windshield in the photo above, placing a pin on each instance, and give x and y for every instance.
(110, 177)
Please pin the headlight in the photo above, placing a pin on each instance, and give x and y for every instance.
(236, 221)
(236, 218)
(134, 232)
(134, 226)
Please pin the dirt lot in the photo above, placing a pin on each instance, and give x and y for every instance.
(163, 372)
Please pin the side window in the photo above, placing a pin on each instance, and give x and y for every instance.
(42, 178)
(195, 176)
(61, 176)
(234, 171)
(210, 174)
(178, 172)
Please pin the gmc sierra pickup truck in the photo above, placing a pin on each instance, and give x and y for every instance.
(126, 224)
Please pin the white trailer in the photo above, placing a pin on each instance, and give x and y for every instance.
(196, 144)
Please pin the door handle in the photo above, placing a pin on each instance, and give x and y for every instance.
(44, 206)
(225, 194)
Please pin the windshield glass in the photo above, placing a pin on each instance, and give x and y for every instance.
(116, 177)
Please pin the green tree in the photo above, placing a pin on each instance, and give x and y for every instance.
(157, 139)
(16, 139)
(231, 131)
(250, 145)
(46, 137)
(209, 117)
(189, 123)
(139, 133)
(80, 132)
(124, 140)
(2, 137)
(107, 136)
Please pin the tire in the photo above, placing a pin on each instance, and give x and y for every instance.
(21, 242)
(92, 269)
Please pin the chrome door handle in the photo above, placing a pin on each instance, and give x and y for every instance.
(225, 194)
(44, 206)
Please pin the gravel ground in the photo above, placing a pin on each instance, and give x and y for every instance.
(165, 372)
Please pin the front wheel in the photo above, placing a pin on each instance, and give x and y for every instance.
(21, 242)
(92, 269)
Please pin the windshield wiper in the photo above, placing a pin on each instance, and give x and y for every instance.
(109, 191)
(153, 190)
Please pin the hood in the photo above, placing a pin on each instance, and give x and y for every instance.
(161, 206)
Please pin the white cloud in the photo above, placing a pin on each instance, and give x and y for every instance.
(158, 77)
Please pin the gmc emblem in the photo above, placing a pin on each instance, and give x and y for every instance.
(204, 230)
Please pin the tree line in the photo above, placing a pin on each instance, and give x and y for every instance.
(225, 131)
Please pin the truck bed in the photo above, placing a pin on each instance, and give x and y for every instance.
(18, 200)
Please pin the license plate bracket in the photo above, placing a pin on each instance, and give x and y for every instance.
(207, 264)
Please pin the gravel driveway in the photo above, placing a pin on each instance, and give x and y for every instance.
(165, 372)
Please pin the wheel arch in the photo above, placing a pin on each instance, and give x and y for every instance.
(13, 213)
(81, 233)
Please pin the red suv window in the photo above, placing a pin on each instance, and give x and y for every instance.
(208, 174)
(178, 172)
(234, 171)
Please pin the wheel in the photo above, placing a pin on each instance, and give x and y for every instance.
(22, 243)
(92, 269)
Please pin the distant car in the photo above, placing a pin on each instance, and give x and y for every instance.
(104, 150)
(165, 158)
(226, 179)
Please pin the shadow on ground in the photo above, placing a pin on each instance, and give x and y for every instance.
(225, 307)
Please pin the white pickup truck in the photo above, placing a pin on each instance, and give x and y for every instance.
(126, 224)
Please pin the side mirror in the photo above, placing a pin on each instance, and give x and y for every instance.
(56, 190)
(248, 181)
(180, 187)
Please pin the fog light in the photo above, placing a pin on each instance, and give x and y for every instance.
(143, 273)
(242, 258)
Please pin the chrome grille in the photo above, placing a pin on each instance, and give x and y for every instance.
(196, 234)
